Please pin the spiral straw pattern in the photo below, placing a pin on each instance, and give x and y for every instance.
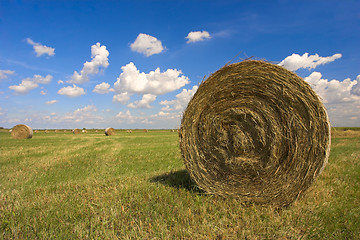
(21, 131)
(255, 131)
(109, 131)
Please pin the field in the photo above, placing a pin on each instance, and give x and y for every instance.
(134, 186)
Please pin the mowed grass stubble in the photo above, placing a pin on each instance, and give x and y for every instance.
(134, 186)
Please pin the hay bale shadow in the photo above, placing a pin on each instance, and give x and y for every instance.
(179, 179)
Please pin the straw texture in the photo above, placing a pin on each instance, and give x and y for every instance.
(109, 131)
(255, 131)
(21, 131)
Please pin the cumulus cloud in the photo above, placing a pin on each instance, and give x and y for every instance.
(85, 115)
(333, 91)
(122, 97)
(73, 91)
(41, 49)
(355, 90)
(147, 45)
(99, 56)
(181, 100)
(295, 61)
(29, 84)
(342, 104)
(42, 80)
(60, 82)
(42, 92)
(4, 74)
(154, 82)
(51, 102)
(24, 87)
(145, 102)
(127, 117)
(197, 36)
(102, 88)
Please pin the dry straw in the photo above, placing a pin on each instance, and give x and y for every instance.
(109, 131)
(76, 131)
(255, 131)
(21, 131)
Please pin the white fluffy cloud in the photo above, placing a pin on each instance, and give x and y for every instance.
(42, 80)
(29, 84)
(42, 92)
(154, 82)
(147, 45)
(60, 82)
(51, 102)
(145, 102)
(181, 101)
(197, 36)
(73, 91)
(41, 49)
(122, 97)
(4, 74)
(295, 61)
(24, 87)
(99, 56)
(333, 91)
(339, 97)
(128, 118)
(85, 115)
(102, 88)
(355, 90)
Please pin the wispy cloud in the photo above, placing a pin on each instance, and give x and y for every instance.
(41, 49)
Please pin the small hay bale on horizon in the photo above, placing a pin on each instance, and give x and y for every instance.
(21, 131)
(110, 131)
(257, 132)
(76, 131)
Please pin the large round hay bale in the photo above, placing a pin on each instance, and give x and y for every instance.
(255, 131)
(21, 131)
(109, 131)
(76, 131)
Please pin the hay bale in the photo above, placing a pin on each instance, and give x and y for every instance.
(145, 130)
(46, 131)
(129, 131)
(10, 130)
(109, 131)
(21, 131)
(255, 131)
(76, 131)
(84, 131)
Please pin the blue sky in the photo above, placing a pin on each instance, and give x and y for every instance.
(136, 64)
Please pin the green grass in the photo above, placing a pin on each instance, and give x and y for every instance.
(134, 186)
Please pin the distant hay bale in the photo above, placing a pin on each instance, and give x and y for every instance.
(84, 131)
(46, 131)
(76, 131)
(96, 131)
(145, 130)
(21, 131)
(255, 131)
(129, 131)
(56, 131)
(109, 131)
(10, 130)
(64, 131)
